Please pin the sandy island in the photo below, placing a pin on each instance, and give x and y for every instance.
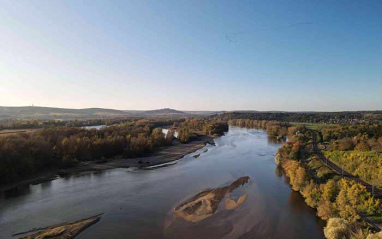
(61, 231)
(205, 203)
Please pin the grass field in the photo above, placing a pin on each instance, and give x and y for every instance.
(14, 131)
(316, 126)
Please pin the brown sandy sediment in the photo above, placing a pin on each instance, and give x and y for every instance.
(165, 155)
(61, 231)
(205, 203)
(231, 204)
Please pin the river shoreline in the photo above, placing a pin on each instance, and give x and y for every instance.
(163, 156)
(141, 203)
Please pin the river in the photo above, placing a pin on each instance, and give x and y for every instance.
(139, 203)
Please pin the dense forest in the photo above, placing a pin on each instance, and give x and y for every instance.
(35, 124)
(26, 153)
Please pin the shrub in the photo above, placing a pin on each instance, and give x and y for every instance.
(337, 228)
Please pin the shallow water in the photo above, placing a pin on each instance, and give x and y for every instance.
(139, 203)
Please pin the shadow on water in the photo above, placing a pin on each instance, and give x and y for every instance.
(298, 206)
(46, 185)
(19, 191)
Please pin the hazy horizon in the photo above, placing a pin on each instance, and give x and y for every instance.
(192, 55)
(195, 110)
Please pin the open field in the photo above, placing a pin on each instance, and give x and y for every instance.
(14, 131)
(316, 126)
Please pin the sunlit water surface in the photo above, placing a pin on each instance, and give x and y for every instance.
(139, 203)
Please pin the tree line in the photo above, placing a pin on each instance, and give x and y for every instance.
(274, 128)
(26, 153)
(57, 147)
(356, 117)
(35, 124)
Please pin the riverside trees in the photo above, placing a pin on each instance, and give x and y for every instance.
(26, 153)
(23, 154)
(189, 129)
(341, 201)
(332, 196)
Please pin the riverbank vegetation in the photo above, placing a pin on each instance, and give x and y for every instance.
(27, 153)
(333, 197)
(189, 129)
(343, 202)
(340, 228)
(24, 154)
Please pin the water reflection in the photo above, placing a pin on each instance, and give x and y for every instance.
(279, 172)
(46, 185)
(275, 141)
(21, 190)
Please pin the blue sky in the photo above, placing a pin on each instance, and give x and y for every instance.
(192, 55)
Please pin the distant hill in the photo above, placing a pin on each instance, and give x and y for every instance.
(204, 113)
(49, 113)
(165, 111)
(36, 112)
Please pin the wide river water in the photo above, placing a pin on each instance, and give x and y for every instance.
(140, 203)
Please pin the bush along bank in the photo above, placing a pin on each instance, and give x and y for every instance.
(343, 203)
